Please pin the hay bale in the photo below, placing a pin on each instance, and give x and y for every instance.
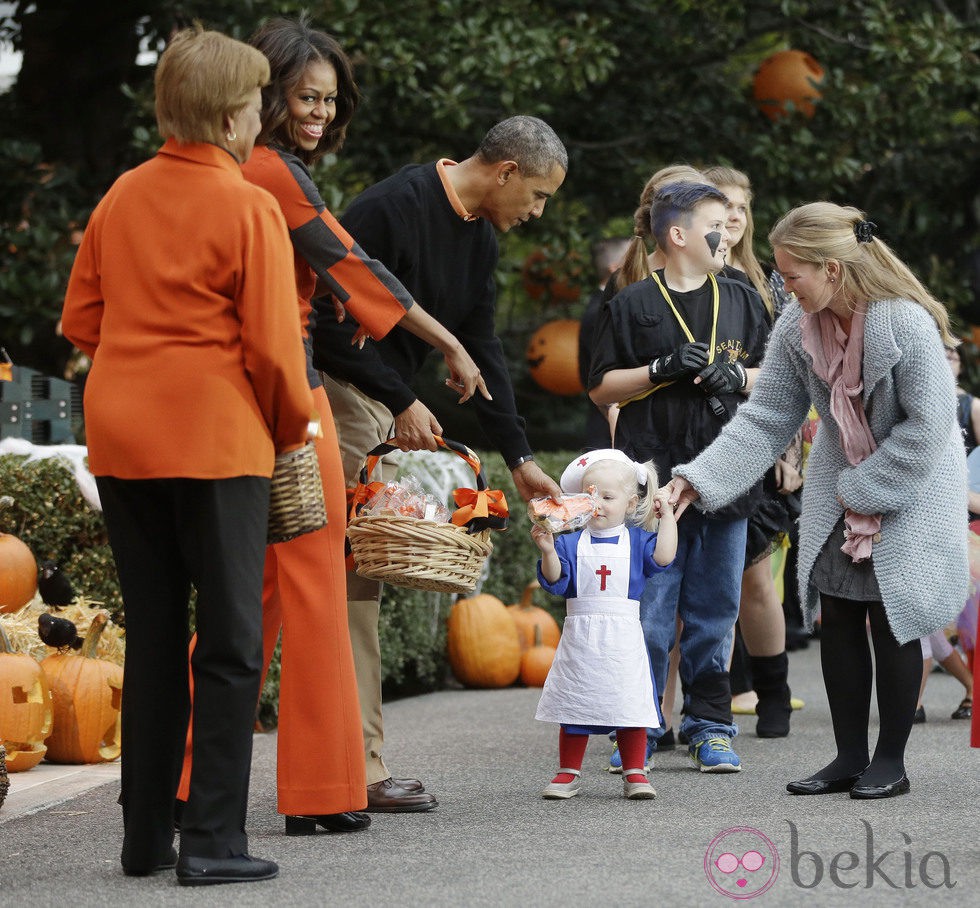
(21, 628)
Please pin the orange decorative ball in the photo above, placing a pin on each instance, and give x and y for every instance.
(552, 357)
(790, 75)
(542, 283)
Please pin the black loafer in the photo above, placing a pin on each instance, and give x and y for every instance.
(870, 792)
(167, 863)
(350, 821)
(821, 786)
(242, 868)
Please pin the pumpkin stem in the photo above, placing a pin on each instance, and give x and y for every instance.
(5, 645)
(527, 597)
(91, 643)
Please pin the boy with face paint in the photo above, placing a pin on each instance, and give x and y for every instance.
(678, 352)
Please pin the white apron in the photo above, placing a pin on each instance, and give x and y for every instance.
(601, 672)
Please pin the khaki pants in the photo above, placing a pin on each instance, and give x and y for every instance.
(362, 423)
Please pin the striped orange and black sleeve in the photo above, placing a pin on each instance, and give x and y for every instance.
(367, 289)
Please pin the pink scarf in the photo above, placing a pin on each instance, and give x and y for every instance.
(837, 361)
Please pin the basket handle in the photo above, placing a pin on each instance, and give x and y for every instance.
(497, 521)
(467, 454)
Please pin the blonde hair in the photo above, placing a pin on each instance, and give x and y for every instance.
(634, 267)
(728, 176)
(201, 77)
(643, 515)
(822, 231)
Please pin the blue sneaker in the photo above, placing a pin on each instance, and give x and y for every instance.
(616, 759)
(715, 755)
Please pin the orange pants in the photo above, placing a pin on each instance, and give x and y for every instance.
(321, 745)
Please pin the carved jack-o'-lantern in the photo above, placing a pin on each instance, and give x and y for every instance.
(87, 696)
(552, 357)
(25, 707)
(790, 75)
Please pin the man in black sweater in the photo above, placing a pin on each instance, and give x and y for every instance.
(432, 225)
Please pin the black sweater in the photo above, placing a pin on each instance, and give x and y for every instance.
(447, 263)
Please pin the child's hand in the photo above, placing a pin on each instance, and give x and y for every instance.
(542, 539)
(661, 504)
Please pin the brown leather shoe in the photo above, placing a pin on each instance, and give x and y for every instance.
(388, 796)
(409, 784)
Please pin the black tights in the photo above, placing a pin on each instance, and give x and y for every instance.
(845, 658)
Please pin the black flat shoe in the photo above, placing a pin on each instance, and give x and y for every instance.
(920, 716)
(668, 741)
(964, 710)
(821, 786)
(242, 868)
(331, 822)
(167, 863)
(891, 790)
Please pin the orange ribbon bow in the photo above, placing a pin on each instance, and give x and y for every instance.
(471, 504)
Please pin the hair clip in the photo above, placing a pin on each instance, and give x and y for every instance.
(865, 231)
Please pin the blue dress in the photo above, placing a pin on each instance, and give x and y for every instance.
(600, 679)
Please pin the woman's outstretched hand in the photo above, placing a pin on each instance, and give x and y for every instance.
(680, 493)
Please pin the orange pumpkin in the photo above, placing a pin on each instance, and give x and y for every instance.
(484, 649)
(528, 617)
(536, 661)
(18, 569)
(789, 75)
(87, 695)
(552, 357)
(25, 707)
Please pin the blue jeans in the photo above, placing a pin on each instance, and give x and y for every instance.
(703, 586)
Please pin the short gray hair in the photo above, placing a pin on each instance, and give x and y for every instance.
(530, 142)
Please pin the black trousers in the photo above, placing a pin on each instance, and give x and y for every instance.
(167, 534)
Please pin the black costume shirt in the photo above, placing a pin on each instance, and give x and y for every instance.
(674, 424)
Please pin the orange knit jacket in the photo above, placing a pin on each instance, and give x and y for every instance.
(183, 294)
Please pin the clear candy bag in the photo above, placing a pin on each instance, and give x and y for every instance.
(564, 514)
(406, 498)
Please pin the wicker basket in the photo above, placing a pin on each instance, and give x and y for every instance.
(296, 504)
(420, 554)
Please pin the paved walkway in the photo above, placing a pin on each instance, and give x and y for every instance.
(494, 842)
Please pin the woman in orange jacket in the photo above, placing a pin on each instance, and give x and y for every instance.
(321, 774)
(183, 296)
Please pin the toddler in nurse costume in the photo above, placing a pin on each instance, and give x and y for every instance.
(600, 680)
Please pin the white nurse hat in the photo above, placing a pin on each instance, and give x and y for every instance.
(571, 479)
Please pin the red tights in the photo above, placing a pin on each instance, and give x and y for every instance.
(632, 745)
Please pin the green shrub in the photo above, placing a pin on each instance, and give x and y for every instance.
(51, 516)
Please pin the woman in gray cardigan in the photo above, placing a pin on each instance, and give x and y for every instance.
(882, 534)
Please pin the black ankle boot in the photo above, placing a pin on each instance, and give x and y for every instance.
(769, 674)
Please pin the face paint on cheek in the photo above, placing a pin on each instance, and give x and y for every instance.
(713, 240)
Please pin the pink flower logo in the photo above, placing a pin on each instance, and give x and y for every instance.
(741, 863)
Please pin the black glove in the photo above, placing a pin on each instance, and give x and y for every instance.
(685, 360)
(722, 378)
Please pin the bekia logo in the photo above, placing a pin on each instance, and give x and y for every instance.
(741, 863)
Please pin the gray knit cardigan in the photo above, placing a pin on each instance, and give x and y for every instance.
(916, 479)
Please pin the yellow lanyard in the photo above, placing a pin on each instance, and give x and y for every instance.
(685, 329)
